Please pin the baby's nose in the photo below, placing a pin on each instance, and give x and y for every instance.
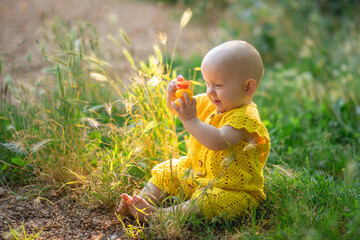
(211, 90)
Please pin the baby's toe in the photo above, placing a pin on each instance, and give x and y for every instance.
(125, 197)
(123, 209)
(120, 208)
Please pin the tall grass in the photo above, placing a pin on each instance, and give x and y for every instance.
(93, 130)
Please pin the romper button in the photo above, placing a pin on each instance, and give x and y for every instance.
(200, 163)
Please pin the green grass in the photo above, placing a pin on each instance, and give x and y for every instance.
(21, 234)
(92, 133)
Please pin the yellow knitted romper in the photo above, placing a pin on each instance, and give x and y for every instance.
(223, 183)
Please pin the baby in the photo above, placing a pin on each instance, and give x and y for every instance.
(228, 145)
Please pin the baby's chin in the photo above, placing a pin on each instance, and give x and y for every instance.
(220, 109)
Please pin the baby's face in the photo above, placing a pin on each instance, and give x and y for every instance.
(227, 70)
(224, 89)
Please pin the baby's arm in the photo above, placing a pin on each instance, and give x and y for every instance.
(209, 136)
(212, 137)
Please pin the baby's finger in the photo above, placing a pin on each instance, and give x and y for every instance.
(193, 102)
(181, 103)
(176, 107)
(172, 85)
(187, 99)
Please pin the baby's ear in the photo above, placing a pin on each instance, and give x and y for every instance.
(250, 86)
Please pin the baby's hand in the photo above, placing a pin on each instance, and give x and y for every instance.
(170, 94)
(186, 110)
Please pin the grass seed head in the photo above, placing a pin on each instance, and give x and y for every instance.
(154, 81)
(93, 123)
(163, 38)
(185, 19)
(108, 108)
(98, 77)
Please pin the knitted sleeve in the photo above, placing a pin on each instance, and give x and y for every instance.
(248, 118)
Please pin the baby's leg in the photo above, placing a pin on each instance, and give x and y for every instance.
(152, 194)
(142, 210)
(224, 202)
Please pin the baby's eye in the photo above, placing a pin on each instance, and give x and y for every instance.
(207, 84)
(219, 85)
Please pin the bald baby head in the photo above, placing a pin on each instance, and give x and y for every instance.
(236, 58)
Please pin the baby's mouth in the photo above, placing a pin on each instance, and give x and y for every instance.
(217, 102)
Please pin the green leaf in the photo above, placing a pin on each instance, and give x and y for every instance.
(125, 37)
(18, 161)
(29, 56)
(129, 57)
(150, 126)
(4, 167)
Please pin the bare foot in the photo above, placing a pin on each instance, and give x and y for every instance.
(141, 209)
(123, 209)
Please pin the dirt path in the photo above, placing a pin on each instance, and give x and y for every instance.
(21, 23)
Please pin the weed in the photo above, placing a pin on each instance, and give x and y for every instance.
(21, 234)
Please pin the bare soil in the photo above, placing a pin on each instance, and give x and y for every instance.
(57, 217)
(21, 24)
